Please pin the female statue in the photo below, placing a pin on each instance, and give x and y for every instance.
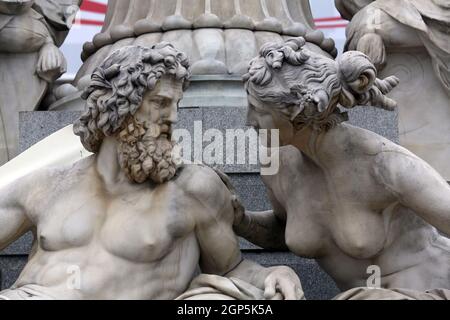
(345, 196)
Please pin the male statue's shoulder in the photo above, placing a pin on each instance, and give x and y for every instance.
(54, 175)
(205, 183)
(200, 178)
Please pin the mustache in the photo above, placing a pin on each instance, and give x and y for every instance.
(146, 152)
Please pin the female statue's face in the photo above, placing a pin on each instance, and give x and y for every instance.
(261, 115)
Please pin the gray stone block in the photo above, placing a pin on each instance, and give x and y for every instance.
(21, 246)
(35, 126)
(384, 123)
(10, 269)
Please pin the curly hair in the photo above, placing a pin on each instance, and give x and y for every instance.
(119, 84)
(307, 86)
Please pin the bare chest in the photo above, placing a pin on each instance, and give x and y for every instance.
(320, 217)
(141, 226)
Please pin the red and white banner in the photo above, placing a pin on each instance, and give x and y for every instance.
(92, 15)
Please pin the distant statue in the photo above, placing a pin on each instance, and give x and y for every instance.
(365, 208)
(30, 33)
(131, 221)
(410, 39)
(380, 24)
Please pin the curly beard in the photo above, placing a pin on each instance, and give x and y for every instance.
(145, 154)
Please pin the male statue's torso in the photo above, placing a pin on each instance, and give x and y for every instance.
(135, 242)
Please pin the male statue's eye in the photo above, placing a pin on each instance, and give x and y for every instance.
(156, 101)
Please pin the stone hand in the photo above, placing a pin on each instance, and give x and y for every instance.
(51, 63)
(364, 34)
(372, 45)
(239, 210)
(283, 282)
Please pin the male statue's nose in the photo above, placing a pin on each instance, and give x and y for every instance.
(173, 116)
(251, 121)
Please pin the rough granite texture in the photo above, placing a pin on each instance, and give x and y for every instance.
(34, 126)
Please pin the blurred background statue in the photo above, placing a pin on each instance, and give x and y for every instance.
(410, 38)
(30, 33)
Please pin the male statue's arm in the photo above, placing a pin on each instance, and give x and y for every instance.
(13, 218)
(220, 252)
(262, 228)
(417, 186)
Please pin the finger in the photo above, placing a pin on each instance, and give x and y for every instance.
(300, 294)
(236, 201)
(270, 288)
(288, 289)
(45, 63)
(64, 68)
(54, 61)
(57, 61)
(39, 65)
(277, 297)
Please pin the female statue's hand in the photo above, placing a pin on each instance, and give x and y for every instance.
(239, 210)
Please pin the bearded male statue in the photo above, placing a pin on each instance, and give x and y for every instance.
(130, 221)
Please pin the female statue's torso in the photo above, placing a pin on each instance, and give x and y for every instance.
(339, 212)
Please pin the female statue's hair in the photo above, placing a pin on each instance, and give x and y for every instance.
(307, 86)
(119, 84)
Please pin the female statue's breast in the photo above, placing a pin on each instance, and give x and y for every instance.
(304, 234)
(359, 232)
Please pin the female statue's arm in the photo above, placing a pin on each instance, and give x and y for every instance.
(262, 228)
